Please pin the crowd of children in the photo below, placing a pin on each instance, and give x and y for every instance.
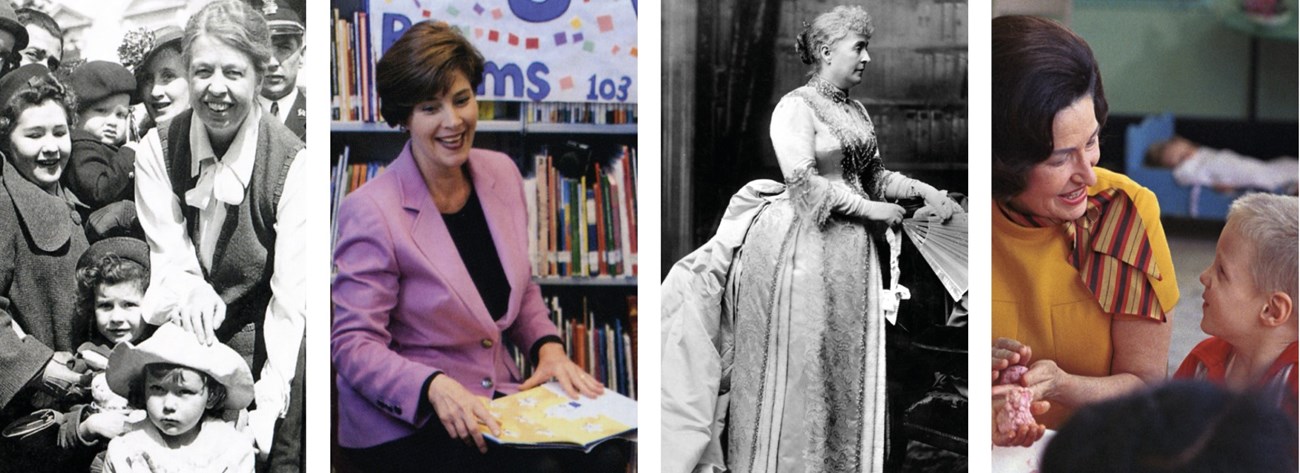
(86, 382)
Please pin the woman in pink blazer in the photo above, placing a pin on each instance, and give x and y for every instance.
(433, 279)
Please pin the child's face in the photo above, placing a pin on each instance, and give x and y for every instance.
(175, 402)
(117, 311)
(106, 119)
(1231, 298)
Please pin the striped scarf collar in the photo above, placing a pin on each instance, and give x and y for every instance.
(1111, 250)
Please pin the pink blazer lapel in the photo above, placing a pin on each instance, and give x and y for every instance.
(497, 198)
(435, 243)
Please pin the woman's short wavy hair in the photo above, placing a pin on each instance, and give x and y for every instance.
(830, 27)
(1269, 223)
(234, 23)
(36, 91)
(421, 65)
(1039, 69)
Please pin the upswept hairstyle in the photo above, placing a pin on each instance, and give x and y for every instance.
(1269, 222)
(234, 23)
(1039, 69)
(421, 65)
(830, 27)
(36, 91)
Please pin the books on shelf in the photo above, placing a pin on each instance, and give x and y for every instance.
(545, 417)
(581, 112)
(353, 59)
(583, 226)
(601, 344)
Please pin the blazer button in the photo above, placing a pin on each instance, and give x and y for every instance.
(487, 383)
(487, 343)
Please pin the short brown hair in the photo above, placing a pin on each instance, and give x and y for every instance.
(421, 65)
(1039, 69)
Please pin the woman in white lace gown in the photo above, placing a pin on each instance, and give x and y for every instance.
(800, 338)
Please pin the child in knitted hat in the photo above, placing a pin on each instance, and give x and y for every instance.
(100, 171)
(184, 388)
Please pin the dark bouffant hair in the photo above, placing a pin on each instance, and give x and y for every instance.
(421, 66)
(1039, 69)
(1183, 427)
(37, 91)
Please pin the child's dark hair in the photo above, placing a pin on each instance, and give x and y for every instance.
(216, 390)
(109, 270)
(1182, 426)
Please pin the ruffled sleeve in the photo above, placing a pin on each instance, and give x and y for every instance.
(793, 132)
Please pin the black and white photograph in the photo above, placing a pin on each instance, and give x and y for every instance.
(814, 236)
(154, 201)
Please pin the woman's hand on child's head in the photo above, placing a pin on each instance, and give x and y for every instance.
(202, 313)
(552, 362)
(460, 411)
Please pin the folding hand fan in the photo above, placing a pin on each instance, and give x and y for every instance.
(944, 247)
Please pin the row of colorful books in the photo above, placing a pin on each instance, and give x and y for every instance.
(603, 345)
(582, 112)
(345, 177)
(584, 225)
(352, 60)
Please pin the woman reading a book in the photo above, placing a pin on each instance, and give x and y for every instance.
(1083, 281)
(223, 195)
(803, 363)
(433, 280)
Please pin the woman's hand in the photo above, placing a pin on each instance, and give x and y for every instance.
(1008, 352)
(1025, 435)
(944, 208)
(552, 362)
(461, 411)
(886, 212)
(1045, 378)
(202, 313)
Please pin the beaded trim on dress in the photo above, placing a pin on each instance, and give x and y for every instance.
(846, 118)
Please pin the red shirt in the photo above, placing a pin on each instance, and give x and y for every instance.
(1209, 361)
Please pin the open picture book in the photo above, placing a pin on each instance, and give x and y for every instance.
(545, 417)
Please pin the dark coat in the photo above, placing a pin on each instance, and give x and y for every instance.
(40, 242)
(296, 120)
(99, 174)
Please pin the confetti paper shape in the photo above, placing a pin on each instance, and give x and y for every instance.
(577, 37)
(479, 9)
(576, 22)
(496, 13)
(531, 43)
(478, 32)
(494, 36)
(566, 83)
(614, 50)
(588, 46)
(453, 11)
(426, 13)
(606, 23)
(633, 53)
(561, 38)
(514, 40)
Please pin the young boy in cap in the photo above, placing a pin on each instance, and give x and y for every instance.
(1250, 302)
(184, 388)
(101, 171)
(281, 96)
